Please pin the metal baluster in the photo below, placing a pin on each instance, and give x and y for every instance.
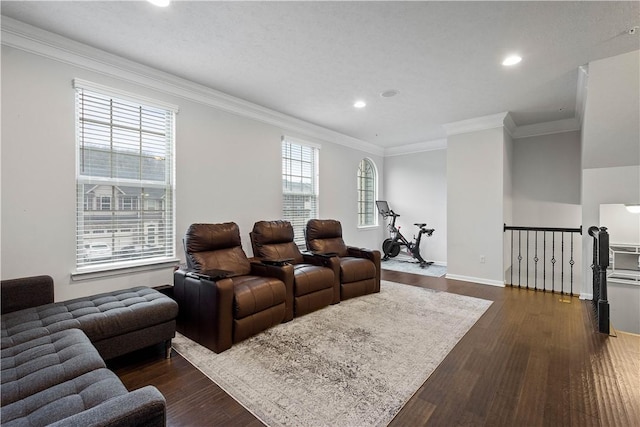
(511, 282)
(544, 262)
(527, 259)
(519, 256)
(571, 262)
(535, 273)
(562, 266)
(553, 262)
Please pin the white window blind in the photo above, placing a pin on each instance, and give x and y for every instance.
(366, 194)
(124, 180)
(299, 186)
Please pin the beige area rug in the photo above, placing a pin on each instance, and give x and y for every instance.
(351, 364)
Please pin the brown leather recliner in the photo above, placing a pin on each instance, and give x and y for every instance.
(359, 268)
(316, 282)
(223, 297)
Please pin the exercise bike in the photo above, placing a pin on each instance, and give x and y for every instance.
(391, 247)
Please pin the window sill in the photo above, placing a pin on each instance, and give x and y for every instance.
(118, 270)
(368, 227)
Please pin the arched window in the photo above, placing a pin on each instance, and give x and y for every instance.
(367, 191)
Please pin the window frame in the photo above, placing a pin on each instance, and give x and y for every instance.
(163, 182)
(373, 179)
(309, 175)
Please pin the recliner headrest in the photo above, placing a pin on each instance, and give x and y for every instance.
(270, 232)
(323, 229)
(211, 237)
(325, 235)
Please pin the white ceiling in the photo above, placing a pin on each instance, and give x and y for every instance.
(312, 60)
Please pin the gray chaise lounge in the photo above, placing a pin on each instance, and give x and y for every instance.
(53, 370)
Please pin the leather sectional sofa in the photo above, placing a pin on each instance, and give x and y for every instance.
(53, 368)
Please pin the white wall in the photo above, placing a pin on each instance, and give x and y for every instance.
(611, 127)
(546, 193)
(228, 168)
(475, 206)
(507, 195)
(623, 226)
(546, 180)
(611, 156)
(416, 188)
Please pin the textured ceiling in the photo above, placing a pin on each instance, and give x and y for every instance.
(312, 60)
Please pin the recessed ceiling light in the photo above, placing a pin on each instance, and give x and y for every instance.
(511, 60)
(389, 93)
(160, 3)
(360, 104)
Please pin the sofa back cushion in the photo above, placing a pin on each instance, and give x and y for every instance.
(274, 240)
(216, 246)
(325, 235)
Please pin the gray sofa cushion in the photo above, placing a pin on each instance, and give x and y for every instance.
(36, 365)
(99, 316)
(52, 372)
(64, 399)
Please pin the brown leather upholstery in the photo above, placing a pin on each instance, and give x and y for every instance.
(217, 313)
(316, 279)
(216, 246)
(359, 268)
(274, 240)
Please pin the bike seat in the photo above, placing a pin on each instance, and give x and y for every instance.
(420, 225)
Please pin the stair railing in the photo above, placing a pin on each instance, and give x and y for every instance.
(539, 259)
(599, 269)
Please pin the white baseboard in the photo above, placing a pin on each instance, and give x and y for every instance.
(476, 280)
(586, 296)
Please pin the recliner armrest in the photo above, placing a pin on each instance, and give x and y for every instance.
(316, 259)
(26, 292)
(276, 262)
(212, 275)
(329, 261)
(325, 254)
(371, 254)
(205, 310)
(281, 272)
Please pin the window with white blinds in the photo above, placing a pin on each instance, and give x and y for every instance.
(366, 194)
(299, 186)
(124, 178)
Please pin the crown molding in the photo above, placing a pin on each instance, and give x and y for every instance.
(547, 128)
(18, 35)
(479, 123)
(436, 144)
(505, 120)
(581, 91)
(488, 122)
(510, 125)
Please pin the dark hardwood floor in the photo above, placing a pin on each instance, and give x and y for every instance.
(531, 360)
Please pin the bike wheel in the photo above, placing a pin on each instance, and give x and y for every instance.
(390, 248)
